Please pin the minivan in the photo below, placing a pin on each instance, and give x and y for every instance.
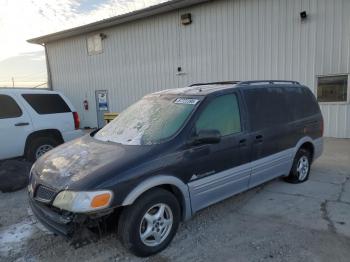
(174, 153)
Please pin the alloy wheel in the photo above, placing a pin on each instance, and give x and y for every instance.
(303, 168)
(42, 150)
(156, 225)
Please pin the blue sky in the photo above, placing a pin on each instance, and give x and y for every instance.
(24, 19)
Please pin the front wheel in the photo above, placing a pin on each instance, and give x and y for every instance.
(148, 226)
(301, 167)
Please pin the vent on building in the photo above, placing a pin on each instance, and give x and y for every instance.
(94, 44)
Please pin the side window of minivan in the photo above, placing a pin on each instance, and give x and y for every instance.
(222, 114)
(267, 107)
(9, 107)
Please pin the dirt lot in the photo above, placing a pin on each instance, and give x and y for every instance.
(274, 222)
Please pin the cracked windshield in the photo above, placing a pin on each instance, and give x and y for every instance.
(149, 121)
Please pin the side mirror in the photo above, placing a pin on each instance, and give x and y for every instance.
(207, 136)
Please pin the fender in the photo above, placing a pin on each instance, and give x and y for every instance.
(303, 140)
(158, 181)
(316, 143)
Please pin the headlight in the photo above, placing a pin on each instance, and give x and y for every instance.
(80, 202)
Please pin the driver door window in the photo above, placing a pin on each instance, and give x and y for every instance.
(222, 114)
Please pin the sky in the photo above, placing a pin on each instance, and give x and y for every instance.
(24, 64)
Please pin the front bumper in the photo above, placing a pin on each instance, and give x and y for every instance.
(53, 221)
(67, 224)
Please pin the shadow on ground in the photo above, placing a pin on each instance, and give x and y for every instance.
(14, 175)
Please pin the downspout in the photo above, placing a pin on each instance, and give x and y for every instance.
(48, 68)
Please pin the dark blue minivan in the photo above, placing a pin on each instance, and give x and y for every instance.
(173, 153)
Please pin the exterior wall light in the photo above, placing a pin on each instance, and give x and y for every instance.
(303, 15)
(103, 36)
(186, 19)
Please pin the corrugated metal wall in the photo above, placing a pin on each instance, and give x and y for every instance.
(228, 40)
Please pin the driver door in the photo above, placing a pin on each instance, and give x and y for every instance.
(219, 170)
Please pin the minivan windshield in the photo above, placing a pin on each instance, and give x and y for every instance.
(149, 121)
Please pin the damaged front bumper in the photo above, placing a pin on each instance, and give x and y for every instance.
(74, 227)
(55, 222)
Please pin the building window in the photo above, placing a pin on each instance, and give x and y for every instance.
(332, 88)
(94, 44)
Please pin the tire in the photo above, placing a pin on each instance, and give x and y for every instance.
(40, 143)
(132, 222)
(301, 167)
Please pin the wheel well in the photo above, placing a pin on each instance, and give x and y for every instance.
(309, 147)
(175, 191)
(54, 133)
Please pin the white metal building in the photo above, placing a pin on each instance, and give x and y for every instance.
(186, 41)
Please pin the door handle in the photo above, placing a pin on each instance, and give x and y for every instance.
(22, 124)
(242, 142)
(258, 138)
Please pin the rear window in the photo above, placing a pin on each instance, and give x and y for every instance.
(267, 107)
(301, 103)
(47, 103)
(9, 107)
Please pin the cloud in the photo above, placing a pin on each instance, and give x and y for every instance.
(24, 19)
(27, 70)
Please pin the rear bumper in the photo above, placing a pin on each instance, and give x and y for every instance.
(52, 220)
(70, 135)
(318, 147)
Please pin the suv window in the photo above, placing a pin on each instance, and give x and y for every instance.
(47, 103)
(9, 107)
(222, 114)
(266, 106)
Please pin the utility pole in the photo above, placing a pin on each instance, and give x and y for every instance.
(13, 82)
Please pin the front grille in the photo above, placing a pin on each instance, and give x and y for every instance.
(44, 193)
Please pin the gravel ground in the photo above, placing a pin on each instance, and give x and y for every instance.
(274, 222)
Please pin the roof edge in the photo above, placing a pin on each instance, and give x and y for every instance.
(116, 20)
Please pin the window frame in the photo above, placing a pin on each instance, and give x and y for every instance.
(19, 107)
(336, 102)
(208, 100)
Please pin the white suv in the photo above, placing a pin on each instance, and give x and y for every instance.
(34, 121)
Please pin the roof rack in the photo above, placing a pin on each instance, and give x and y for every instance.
(217, 83)
(269, 82)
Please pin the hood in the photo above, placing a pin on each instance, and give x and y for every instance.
(85, 163)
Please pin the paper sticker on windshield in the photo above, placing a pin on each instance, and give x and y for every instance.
(186, 101)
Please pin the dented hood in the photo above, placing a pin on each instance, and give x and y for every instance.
(85, 163)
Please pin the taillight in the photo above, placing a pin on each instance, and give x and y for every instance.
(76, 120)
